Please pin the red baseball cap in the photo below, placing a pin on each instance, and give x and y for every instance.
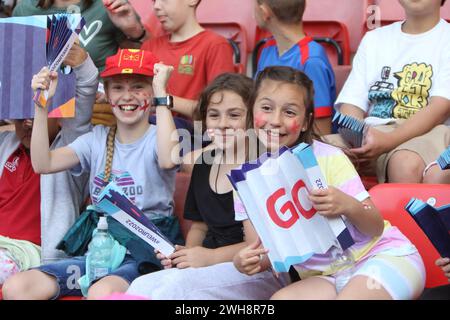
(130, 61)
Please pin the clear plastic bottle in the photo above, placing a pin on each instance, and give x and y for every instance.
(100, 251)
(343, 260)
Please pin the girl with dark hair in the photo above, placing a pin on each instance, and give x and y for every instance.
(382, 264)
(214, 237)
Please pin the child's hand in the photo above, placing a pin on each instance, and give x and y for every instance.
(122, 14)
(248, 260)
(76, 56)
(165, 262)
(330, 202)
(375, 144)
(45, 80)
(444, 263)
(195, 257)
(124, 17)
(161, 78)
(117, 6)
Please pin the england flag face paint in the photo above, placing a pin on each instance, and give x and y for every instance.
(130, 98)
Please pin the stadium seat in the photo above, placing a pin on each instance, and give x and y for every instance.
(391, 11)
(181, 188)
(351, 13)
(391, 200)
(332, 35)
(341, 74)
(234, 20)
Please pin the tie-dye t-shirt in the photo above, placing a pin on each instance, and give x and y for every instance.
(340, 173)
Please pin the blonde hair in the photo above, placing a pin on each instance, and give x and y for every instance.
(109, 153)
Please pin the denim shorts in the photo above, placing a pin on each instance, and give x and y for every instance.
(68, 271)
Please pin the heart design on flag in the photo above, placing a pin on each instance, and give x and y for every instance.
(95, 27)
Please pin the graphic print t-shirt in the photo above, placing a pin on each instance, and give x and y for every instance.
(134, 168)
(396, 74)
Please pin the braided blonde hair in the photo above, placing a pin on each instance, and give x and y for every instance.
(109, 153)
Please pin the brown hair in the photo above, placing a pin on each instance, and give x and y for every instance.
(298, 78)
(287, 11)
(442, 3)
(45, 4)
(234, 82)
(109, 153)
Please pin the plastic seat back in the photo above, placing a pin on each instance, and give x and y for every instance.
(391, 200)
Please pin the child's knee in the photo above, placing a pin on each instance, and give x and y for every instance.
(405, 167)
(15, 287)
(278, 296)
(106, 287)
(30, 285)
(435, 175)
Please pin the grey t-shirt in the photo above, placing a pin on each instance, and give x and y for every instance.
(134, 168)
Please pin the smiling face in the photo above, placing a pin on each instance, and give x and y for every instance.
(130, 97)
(226, 119)
(279, 114)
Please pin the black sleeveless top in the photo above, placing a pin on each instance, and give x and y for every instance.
(216, 210)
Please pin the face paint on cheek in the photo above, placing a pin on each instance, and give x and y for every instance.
(113, 104)
(259, 121)
(144, 100)
(295, 127)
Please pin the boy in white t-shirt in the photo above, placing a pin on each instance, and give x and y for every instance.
(400, 85)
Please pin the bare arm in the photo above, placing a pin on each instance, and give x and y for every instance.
(196, 234)
(364, 215)
(167, 135)
(195, 238)
(352, 110)
(378, 142)
(437, 112)
(195, 255)
(42, 159)
(185, 107)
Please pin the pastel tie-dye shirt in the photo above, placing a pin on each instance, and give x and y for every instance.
(340, 173)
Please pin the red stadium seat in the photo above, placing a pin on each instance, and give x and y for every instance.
(351, 13)
(341, 74)
(181, 189)
(343, 21)
(391, 200)
(392, 11)
(237, 37)
(234, 20)
(332, 35)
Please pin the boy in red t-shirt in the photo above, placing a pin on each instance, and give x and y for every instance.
(198, 55)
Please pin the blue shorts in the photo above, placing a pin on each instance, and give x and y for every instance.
(68, 271)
